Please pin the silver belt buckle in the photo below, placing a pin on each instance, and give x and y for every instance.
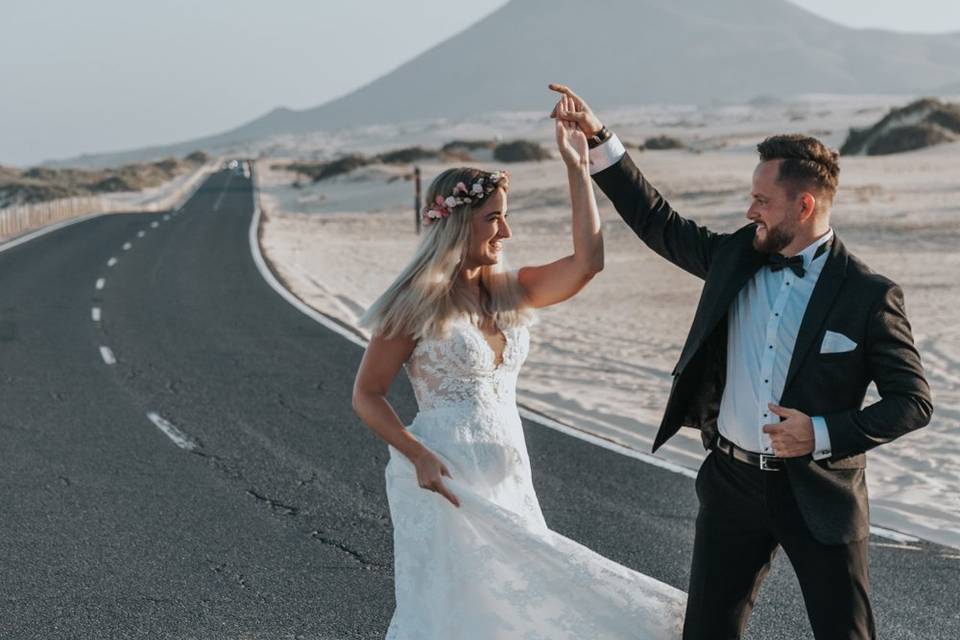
(764, 465)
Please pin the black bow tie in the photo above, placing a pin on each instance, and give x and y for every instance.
(777, 261)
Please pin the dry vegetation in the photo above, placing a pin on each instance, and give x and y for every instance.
(40, 184)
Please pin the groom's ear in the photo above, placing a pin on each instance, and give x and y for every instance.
(808, 205)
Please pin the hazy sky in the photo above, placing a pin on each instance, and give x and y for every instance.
(101, 75)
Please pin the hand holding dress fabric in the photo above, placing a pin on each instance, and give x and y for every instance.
(430, 472)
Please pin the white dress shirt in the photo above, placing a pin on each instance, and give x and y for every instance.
(762, 328)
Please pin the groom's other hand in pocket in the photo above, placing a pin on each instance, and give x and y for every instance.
(581, 114)
(793, 436)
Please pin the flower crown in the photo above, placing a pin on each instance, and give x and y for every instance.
(485, 185)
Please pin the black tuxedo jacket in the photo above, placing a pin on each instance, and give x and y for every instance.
(848, 298)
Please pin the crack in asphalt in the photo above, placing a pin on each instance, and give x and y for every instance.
(302, 482)
(319, 536)
(285, 509)
(296, 412)
(219, 464)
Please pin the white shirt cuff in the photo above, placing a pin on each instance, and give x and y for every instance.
(821, 438)
(606, 155)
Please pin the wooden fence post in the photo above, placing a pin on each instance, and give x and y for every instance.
(417, 204)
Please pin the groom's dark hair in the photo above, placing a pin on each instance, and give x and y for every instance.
(806, 162)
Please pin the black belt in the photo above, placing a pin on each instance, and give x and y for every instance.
(759, 460)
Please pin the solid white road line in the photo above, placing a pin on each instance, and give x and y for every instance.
(179, 438)
(127, 246)
(603, 443)
(140, 234)
(890, 534)
(10, 244)
(107, 355)
(44, 231)
(100, 283)
(267, 275)
(95, 314)
(111, 262)
(313, 314)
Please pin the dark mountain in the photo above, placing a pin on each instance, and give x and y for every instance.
(621, 52)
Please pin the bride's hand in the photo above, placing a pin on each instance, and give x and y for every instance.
(571, 141)
(580, 113)
(430, 472)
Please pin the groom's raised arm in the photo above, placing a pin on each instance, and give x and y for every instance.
(683, 242)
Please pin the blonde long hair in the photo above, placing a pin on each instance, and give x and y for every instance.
(427, 293)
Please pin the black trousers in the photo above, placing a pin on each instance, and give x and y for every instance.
(745, 515)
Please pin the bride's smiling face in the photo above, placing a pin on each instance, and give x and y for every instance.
(488, 230)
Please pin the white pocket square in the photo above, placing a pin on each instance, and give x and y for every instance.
(834, 342)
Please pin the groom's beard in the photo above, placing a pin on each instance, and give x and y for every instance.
(776, 240)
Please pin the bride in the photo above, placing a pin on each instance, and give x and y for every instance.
(473, 557)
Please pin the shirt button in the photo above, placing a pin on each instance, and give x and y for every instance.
(771, 346)
(766, 382)
(777, 314)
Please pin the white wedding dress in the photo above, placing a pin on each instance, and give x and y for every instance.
(492, 569)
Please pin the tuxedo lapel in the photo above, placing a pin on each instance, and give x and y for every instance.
(721, 288)
(748, 263)
(824, 293)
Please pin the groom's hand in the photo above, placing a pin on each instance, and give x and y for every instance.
(581, 114)
(793, 436)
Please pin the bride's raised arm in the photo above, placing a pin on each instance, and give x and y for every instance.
(557, 281)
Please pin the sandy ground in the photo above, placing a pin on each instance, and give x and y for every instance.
(601, 362)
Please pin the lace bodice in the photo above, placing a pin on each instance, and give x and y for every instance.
(461, 366)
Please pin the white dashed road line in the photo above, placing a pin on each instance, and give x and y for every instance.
(111, 262)
(127, 246)
(141, 233)
(100, 283)
(107, 354)
(95, 314)
(179, 438)
(216, 205)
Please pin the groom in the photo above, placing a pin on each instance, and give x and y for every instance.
(790, 330)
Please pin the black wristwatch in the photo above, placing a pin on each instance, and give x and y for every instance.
(601, 136)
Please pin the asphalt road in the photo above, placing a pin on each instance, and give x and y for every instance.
(184, 462)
